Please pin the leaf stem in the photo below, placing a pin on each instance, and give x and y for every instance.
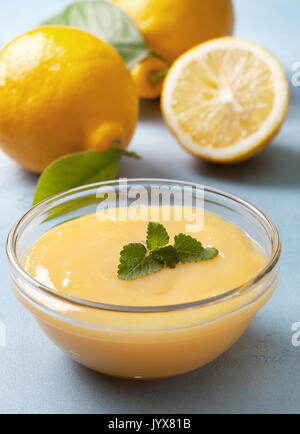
(115, 146)
(156, 77)
(158, 56)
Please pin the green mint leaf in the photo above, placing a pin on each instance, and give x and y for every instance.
(109, 23)
(209, 253)
(133, 254)
(166, 255)
(134, 263)
(188, 248)
(78, 169)
(157, 236)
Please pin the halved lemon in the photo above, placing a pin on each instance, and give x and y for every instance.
(224, 100)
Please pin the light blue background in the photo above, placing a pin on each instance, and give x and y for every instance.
(261, 373)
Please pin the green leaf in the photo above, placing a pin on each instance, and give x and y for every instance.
(109, 23)
(78, 169)
(209, 253)
(134, 263)
(166, 255)
(188, 248)
(71, 206)
(157, 236)
(133, 254)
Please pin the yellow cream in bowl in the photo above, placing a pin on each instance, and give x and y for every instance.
(80, 258)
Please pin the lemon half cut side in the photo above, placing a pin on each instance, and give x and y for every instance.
(225, 99)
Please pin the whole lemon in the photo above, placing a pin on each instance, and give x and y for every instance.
(65, 91)
(171, 27)
(148, 77)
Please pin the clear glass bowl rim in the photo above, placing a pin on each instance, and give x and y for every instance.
(42, 206)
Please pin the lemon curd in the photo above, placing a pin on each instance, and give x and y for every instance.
(80, 258)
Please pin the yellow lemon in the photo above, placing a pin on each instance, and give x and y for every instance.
(148, 76)
(65, 91)
(171, 27)
(225, 99)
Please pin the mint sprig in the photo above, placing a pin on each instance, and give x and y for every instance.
(137, 261)
(167, 255)
(157, 236)
(190, 250)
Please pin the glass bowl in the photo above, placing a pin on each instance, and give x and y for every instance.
(142, 342)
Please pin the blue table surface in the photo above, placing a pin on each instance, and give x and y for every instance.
(261, 372)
